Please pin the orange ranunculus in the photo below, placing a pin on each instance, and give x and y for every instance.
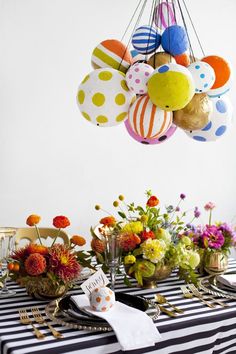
(35, 264)
(78, 240)
(108, 221)
(34, 248)
(61, 222)
(153, 201)
(33, 220)
(128, 241)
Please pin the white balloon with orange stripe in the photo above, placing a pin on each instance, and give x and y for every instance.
(147, 120)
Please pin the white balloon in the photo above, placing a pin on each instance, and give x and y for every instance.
(203, 76)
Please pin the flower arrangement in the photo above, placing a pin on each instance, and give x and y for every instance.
(148, 238)
(212, 239)
(46, 270)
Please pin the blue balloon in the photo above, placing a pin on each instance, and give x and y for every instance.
(174, 40)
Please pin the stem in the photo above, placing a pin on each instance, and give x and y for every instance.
(113, 277)
(210, 217)
(59, 230)
(38, 234)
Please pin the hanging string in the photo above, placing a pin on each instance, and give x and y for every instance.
(151, 19)
(134, 28)
(168, 22)
(174, 10)
(195, 31)
(184, 23)
(157, 8)
(131, 20)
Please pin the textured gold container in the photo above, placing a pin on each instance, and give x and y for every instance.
(216, 263)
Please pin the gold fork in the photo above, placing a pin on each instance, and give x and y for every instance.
(189, 295)
(208, 296)
(24, 319)
(199, 296)
(39, 319)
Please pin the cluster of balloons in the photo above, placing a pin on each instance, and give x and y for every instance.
(153, 92)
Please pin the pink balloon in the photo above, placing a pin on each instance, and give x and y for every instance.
(164, 15)
(149, 141)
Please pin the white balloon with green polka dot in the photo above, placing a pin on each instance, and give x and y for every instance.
(104, 98)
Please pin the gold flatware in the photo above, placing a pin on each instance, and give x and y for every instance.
(207, 296)
(40, 319)
(196, 294)
(189, 295)
(160, 299)
(24, 319)
(166, 311)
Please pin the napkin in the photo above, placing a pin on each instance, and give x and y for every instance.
(134, 329)
(227, 279)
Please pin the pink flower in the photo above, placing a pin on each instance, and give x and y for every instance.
(213, 237)
(209, 206)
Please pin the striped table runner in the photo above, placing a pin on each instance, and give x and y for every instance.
(199, 330)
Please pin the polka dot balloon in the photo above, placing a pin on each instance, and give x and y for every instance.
(219, 121)
(171, 87)
(102, 299)
(137, 77)
(104, 98)
(203, 76)
(150, 141)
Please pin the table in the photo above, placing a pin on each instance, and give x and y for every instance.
(199, 330)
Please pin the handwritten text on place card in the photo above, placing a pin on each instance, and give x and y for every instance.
(96, 280)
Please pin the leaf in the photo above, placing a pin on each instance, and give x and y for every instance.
(138, 277)
(137, 251)
(127, 281)
(122, 215)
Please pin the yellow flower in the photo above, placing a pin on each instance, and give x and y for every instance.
(134, 226)
(115, 203)
(121, 197)
(144, 218)
(130, 259)
(97, 207)
(153, 250)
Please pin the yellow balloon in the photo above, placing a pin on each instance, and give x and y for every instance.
(171, 87)
(160, 58)
(196, 114)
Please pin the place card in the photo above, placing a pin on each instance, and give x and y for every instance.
(96, 280)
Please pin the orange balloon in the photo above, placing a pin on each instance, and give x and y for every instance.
(221, 68)
(182, 59)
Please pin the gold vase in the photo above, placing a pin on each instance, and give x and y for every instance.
(162, 271)
(43, 288)
(215, 263)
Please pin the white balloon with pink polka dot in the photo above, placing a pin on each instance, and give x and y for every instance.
(137, 77)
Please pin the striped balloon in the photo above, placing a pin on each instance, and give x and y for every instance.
(146, 39)
(111, 53)
(147, 120)
(165, 15)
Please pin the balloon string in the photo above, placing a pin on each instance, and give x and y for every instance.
(151, 18)
(174, 10)
(157, 7)
(135, 26)
(195, 31)
(184, 23)
(168, 21)
(131, 20)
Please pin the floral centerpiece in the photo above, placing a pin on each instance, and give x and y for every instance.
(149, 240)
(46, 271)
(213, 242)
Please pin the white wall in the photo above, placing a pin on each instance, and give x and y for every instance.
(53, 161)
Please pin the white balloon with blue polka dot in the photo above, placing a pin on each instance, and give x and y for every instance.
(219, 121)
(203, 76)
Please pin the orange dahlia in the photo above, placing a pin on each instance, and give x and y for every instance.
(35, 264)
(63, 263)
(61, 222)
(129, 241)
(78, 240)
(97, 245)
(33, 220)
(108, 221)
(153, 201)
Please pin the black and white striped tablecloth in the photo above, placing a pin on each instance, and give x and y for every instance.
(199, 330)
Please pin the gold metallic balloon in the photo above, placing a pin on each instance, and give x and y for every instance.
(196, 114)
(160, 58)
